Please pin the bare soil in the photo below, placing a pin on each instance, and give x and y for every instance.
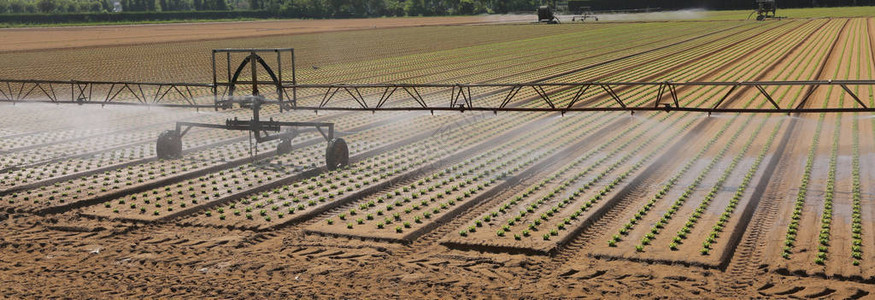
(43, 38)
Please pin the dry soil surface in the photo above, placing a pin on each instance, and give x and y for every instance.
(23, 39)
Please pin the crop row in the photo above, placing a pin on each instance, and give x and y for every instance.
(211, 141)
(723, 221)
(94, 123)
(42, 164)
(115, 181)
(710, 238)
(219, 186)
(856, 203)
(712, 194)
(698, 212)
(528, 216)
(317, 193)
(507, 160)
(793, 227)
(503, 55)
(554, 231)
(56, 122)
(664, 190)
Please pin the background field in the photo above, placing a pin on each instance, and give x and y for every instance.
(451, 205)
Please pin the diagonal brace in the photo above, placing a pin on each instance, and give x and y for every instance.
(845, 87)
(769, 97)
(613, 94)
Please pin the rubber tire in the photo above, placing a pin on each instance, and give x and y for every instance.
(284, 147)
(336, 154)
(169, 145)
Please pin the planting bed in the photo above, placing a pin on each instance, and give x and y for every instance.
(822, 229)
(440, 195)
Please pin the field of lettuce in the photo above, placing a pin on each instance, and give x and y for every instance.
(727, 198)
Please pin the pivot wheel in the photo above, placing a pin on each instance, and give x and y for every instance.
(169, 145)
(337, 154)
(284, 147)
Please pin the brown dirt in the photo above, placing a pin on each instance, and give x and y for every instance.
(44, 38)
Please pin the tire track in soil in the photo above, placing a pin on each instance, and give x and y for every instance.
(745, 254)
(740, 269)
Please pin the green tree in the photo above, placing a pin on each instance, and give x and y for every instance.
(414, 7)
(466, 7)
(16, 6)
(30, 7)
(47, 6)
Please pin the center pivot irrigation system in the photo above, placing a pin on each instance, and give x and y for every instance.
(169, 143)
(242, 86)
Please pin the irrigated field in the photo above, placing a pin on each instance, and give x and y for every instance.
(451, 204)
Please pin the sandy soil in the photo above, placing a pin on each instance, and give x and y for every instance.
(24, 39)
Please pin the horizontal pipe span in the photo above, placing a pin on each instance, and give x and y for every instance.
(287, 84)
(594, 83)
(461, 99)
(594, 109)
(505, 109)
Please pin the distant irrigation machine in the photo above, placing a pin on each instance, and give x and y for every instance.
(547, 15)
(583, 13)
(766, 10)
(262, 72)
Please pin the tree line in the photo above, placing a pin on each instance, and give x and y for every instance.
(711, 4)
(378, 8)
(280, 8)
